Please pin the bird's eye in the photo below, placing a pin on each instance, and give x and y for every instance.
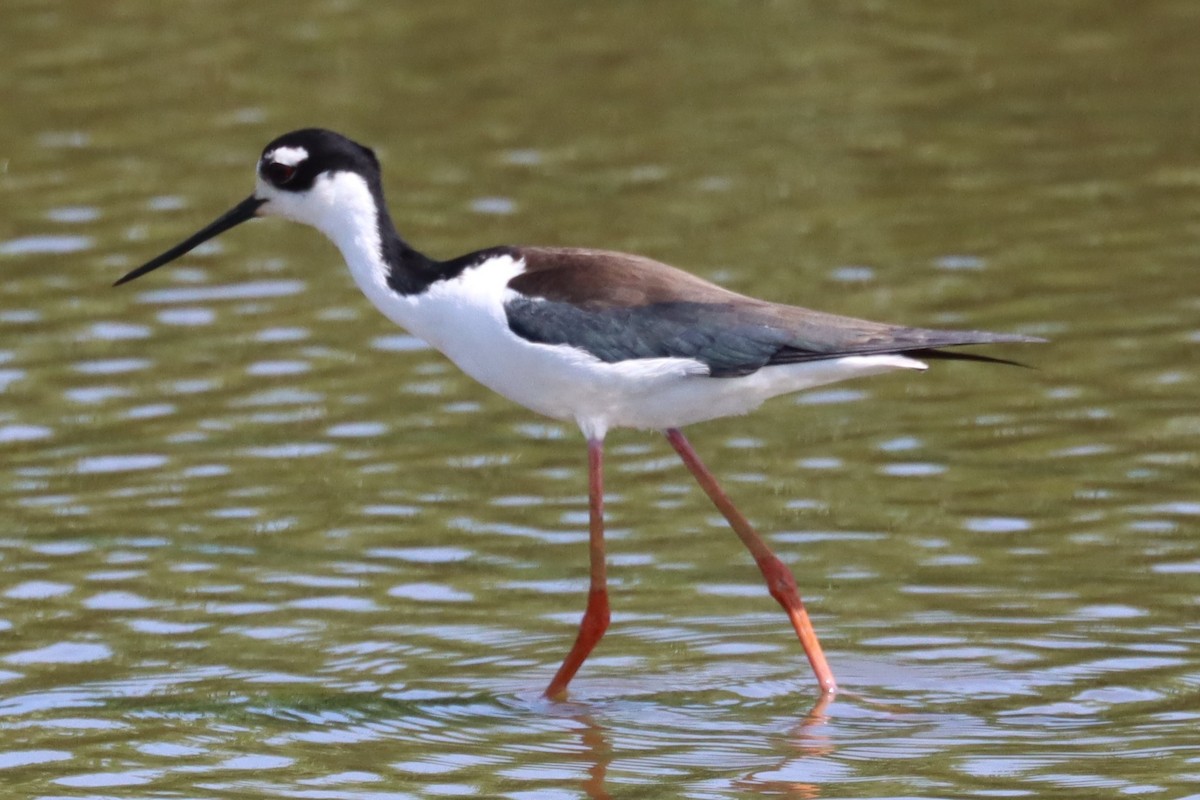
(278, 173)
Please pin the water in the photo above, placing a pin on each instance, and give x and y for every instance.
(256, 542)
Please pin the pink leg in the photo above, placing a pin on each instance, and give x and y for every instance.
(595, 618)
(778, 577)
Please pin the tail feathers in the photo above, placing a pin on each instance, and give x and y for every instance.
(915, 342)
(954, 355)
(932, 349)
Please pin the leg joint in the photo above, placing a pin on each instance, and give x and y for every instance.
(780, 581)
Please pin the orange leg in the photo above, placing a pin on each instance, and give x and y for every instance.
(595, 618)
(778, 577)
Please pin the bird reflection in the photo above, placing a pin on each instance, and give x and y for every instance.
(598, 752)
(804, 740)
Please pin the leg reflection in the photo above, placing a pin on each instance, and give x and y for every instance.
(807, 740)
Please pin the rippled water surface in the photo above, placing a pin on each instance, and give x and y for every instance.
(255, 541)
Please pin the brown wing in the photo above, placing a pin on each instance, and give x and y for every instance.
(618, 306)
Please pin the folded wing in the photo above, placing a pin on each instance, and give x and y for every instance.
(620, 307)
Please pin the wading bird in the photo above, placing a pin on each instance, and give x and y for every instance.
(603, 339)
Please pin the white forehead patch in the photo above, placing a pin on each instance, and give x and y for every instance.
(291, 156)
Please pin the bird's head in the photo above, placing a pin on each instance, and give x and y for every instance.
(313, 176)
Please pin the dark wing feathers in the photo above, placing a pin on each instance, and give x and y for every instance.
(619, 307)
(714, 335)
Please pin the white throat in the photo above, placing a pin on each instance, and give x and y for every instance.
(341, 206)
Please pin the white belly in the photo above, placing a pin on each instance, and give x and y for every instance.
(464, 318)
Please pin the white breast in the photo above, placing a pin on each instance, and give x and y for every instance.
(464, 318)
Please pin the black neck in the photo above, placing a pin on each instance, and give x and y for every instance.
(410, 271)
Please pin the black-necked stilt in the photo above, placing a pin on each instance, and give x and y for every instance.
(604, 339)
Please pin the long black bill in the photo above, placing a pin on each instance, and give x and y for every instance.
(235, 216)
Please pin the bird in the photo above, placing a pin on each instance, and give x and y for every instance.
(599, 338)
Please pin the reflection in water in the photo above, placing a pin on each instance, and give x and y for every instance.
(807, 741)
(597, 755)
(206, 657)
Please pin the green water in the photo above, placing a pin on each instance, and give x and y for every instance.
(257, 542)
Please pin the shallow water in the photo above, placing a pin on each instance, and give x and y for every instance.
(257, 542)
